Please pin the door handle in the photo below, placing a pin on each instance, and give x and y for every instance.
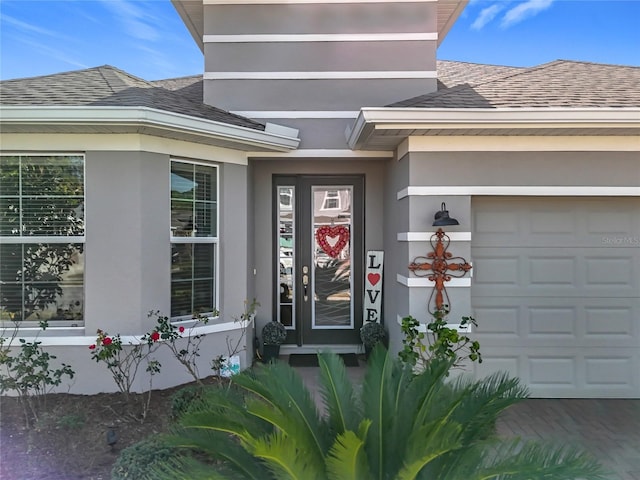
(305, 282)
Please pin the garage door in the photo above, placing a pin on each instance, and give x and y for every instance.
(556, 292)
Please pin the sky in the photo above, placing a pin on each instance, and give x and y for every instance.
(148, 39)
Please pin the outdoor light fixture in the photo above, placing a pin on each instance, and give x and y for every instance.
(442, 218)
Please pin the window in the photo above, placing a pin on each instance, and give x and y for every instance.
(331, 200)
(194, 238)
(42, 238)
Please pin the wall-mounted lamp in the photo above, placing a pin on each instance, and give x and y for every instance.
(442, 218)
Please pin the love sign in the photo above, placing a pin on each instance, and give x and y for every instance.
(332, 239)
(373, 287)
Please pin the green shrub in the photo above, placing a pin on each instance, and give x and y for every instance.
(185, 399)
(137, 461)
(402, 425)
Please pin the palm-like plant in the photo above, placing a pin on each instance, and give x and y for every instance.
(400, 426)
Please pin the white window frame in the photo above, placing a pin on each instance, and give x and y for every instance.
(335, 197)
(37, 239)
(214, 240)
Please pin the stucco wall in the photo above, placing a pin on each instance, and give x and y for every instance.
(128, 264)
(128, 269)
(397, 215)
(304, 65)
(435, 169)
(525, 168)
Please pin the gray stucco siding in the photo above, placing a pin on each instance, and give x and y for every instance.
(320, 18)
(128, 269)
(324, 94)
(525, 168)
(396, 213)
(234, 245)
(321, 133)
(127, 260)
(320, 56)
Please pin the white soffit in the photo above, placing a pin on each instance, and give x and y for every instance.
(320, 37)
(202, 130)
(375, 122)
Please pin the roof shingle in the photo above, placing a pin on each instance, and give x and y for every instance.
(109, 86)
(562, 83)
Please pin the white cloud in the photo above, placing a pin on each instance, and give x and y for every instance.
(486, 15)
(527, 9)
(28, 27)
(137, 22)
(56, 53)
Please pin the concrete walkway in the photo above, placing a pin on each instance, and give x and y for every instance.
(608, 429)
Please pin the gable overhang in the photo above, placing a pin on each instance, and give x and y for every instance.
(192, 12)
(386, 128)
(143, 120)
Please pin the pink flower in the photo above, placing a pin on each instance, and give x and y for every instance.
(92, 347)
(106, 341)
(155, 336)
(181, 329)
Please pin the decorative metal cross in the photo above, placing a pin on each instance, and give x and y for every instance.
(438, 267)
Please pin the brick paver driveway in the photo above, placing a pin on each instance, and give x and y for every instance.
(609, 429)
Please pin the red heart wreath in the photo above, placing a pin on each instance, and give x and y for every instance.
(326, 231)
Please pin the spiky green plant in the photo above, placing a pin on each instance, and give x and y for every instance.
(400, 426)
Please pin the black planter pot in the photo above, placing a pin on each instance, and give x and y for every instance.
(270, 353)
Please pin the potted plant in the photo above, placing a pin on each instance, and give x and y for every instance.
(371, 333)
(273, 335)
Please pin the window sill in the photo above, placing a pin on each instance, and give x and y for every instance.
(51, 336)
(76, 336)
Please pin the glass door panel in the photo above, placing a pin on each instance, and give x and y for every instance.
(332, 252)
(286, 259)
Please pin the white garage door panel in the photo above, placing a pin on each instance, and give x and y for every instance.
(556, 293)
(569, 271)
(546, 222)
(557, 321)
(561, 372)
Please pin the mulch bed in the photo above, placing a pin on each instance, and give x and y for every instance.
(68, 440)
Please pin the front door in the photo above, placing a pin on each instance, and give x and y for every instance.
(318, 258)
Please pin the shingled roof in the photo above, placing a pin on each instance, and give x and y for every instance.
(561, 83)
(109, 86)
(452, 73)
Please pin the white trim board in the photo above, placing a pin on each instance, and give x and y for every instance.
(84, 340)
(327, 75)
(520, 143)
(426, 236)
(125, 142)
(321, 153)
(146, 117)
(525, 190)
(329, 114)
(463, 282)
(43, 239)
(321, 37)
